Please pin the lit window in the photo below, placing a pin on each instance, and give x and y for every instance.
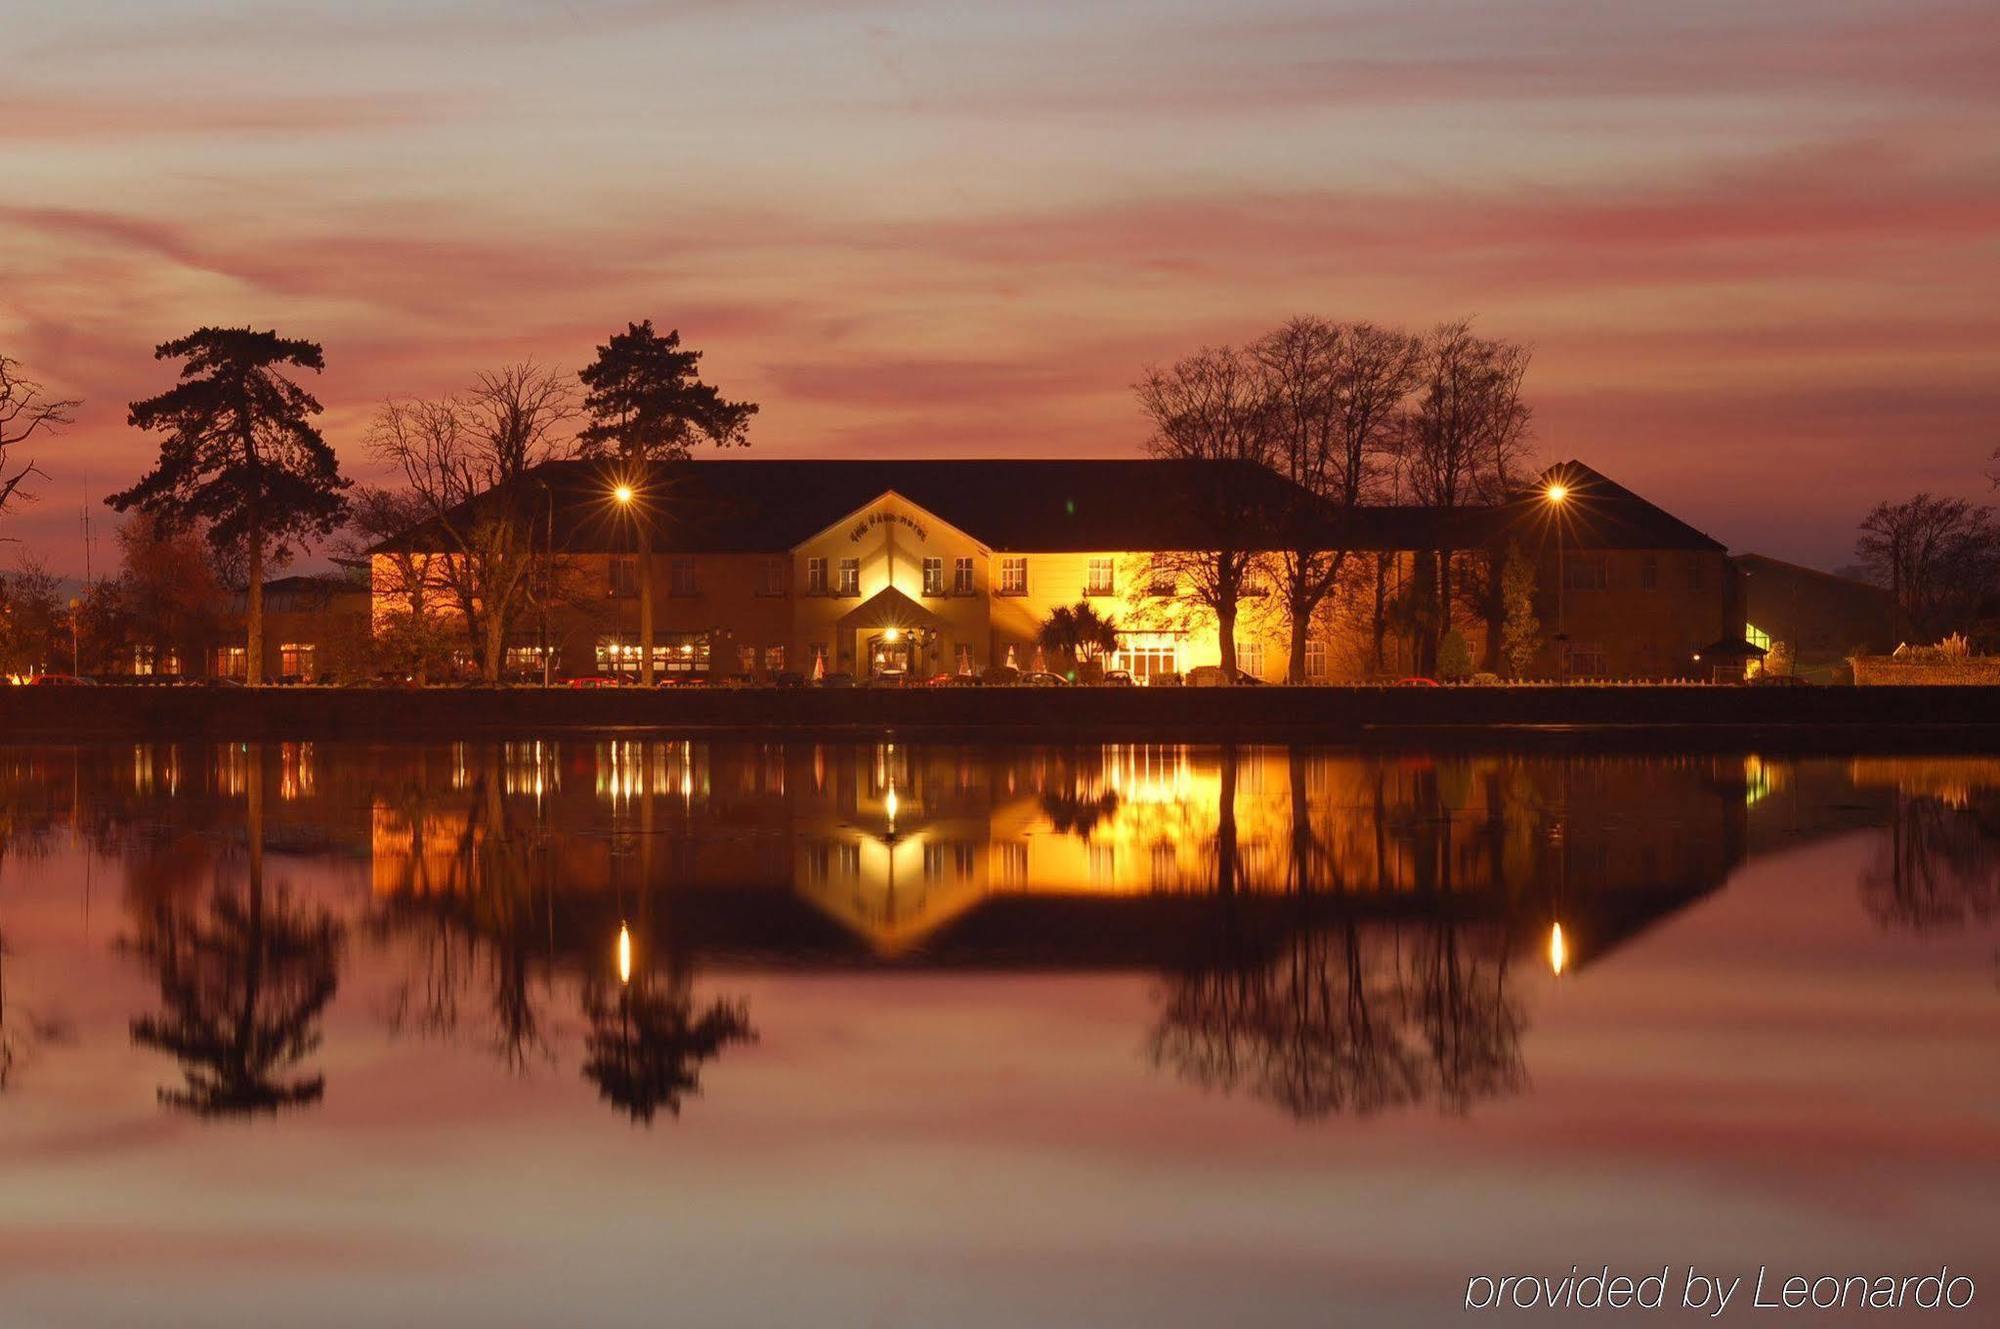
(1250, 658)
(682, 581)
(774, 659)
(850, 577)
(142, 659)
(815, 576)
(1315, 657)
(933, 576)
(232, 661)
(1101, 580)
(961, 577)
(1756, 636)
(1013, 576)
(624, 577)
(746, 659)
(295, 660)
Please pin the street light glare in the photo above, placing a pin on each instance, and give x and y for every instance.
(1557, 492)
(623, 493)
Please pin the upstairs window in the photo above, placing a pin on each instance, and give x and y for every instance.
(624, 577)
(961, 577)
(933, 576)
(1100, 580)
(815, 576)
(1584, 572)
(771, 577)
(1013, 576)
(682, 579)
(850, 577)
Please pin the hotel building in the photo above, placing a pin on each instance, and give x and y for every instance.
(763, 568)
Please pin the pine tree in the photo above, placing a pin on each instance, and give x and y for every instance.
(646, 405)
(240, 455)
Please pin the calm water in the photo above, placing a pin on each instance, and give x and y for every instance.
(640, 1033)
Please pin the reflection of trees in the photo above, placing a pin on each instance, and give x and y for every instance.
(243, 983)
(646, 1044)
(1344, 1021)
(478, 923)
(1070, 813)
(21, 1031)
(1940, 868)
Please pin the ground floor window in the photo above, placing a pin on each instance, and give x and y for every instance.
(746, 659)
(142, 660)
(524, 659)
(1250, 658)
(232, 661)
(1147, 655)
(295, 660)
(774, 659)
(673, 653)
(1582, 659)
(962, 657)
(1315, 658)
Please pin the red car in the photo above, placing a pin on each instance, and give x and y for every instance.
(597, 681)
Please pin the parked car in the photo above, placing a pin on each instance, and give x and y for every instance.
(948, 680)
(61, 681)
(790, 678)
(839, 679)
(1043, 679)
(597, 681)
(1211, 676)
(1119, 678)
(1415, 681)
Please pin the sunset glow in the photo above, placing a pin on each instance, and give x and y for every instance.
(1742, 241)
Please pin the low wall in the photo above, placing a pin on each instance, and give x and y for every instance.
(1886, 671)
(1671, 714)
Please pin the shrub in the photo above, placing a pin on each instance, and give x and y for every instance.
(1454, 658)
(1485, 680)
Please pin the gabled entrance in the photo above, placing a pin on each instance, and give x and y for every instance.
(891, 635)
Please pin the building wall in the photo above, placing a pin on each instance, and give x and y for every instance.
(1822, 617)
(1653, 610)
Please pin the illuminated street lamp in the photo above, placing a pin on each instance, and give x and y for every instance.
(624, 494)
(1556, 494)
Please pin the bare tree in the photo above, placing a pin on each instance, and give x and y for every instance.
(1335, 393)
(1466, 436)
(1210, 411)
(463, 459)
(25, 410)
(1934, 554)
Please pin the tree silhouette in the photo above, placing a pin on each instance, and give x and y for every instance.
(24, 412)
(240, 455)
(646, 405)
(646, 1044)
(243, 985)
(1077, 631)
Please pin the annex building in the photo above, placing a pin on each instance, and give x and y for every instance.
(762, 568)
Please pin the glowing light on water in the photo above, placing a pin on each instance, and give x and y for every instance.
(1558, 951)
(624, 954)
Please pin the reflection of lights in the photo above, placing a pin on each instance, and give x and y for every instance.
(624, 954)
(889, 803)
(1558, 951)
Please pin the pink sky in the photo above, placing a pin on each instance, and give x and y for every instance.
(1753, 246)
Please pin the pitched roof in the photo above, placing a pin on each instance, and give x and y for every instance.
(1033, 505)
(1598, 513)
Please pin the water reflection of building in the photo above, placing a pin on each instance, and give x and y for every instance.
(890, 853)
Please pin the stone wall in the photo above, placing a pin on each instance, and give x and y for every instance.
(1884, 670)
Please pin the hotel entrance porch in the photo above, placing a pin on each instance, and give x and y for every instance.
(891, 635)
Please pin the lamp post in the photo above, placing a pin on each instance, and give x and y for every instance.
(624, 495)
(1557, 493)
(548, 580)
(75, 642)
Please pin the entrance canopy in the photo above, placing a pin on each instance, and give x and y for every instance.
(890, 608)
